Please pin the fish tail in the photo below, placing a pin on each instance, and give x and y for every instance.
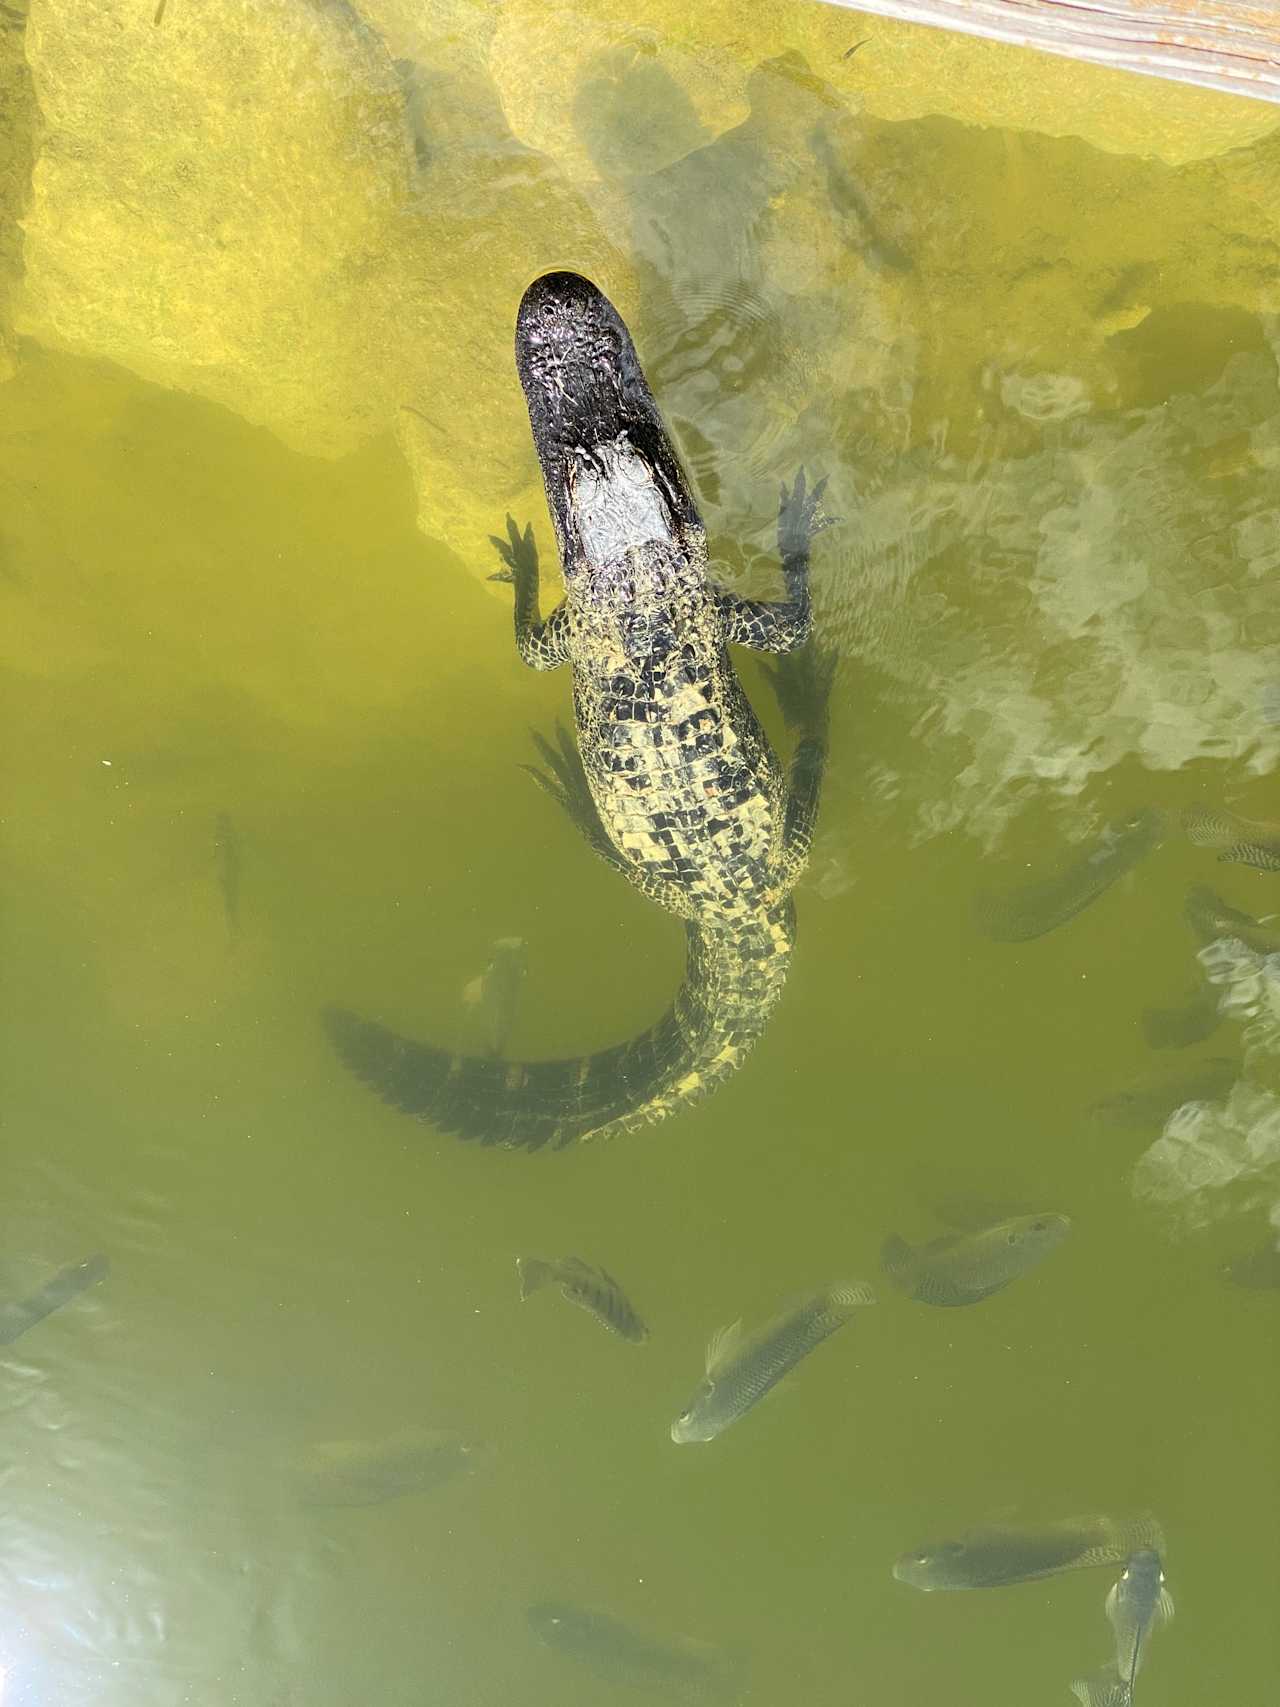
(1262, 856)
(849, 1295)
(898, 1261)
(534, 1272)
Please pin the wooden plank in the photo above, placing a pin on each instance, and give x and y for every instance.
(1221, 44)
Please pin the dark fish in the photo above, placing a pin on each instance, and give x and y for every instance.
(1178, 1028)
(997, 1554)
(1101, 1689)
(1211, 919)
(1137, 1605)
(1033, 909)
(226, 851)
(592, 1289)
(17, 1317)
(677, 1668)
(369, 1472)
(494, 995)
(964, 1268)
(1241, 840)
(741, 1371)
(1151, 1102)
(1257, 1270)
(850, 203)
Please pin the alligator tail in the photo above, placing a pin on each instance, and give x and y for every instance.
(732, 981)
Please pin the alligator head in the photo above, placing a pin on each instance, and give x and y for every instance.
(615, 488)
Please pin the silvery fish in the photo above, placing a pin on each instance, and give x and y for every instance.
(1137, 1604)
(676, 1668)
(592, 1289)
(24, 1313)
(741, 1371)
(1032, 909)
(996, 1554)
(1241, 840)
(226, 853)
(964, 1268)
(493, 996)
(1178, 1028)
(1101, 1689)
(369, 1472)
(1151, 1102)
(1211, 918)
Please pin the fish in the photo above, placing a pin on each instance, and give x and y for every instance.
(1138, 1604)
(1031, 910)
(1178, 1028)
(964, 1268)
(1211, 919)
(370, 1472)
(493, 996)
(592, 1289)
(1257, 1270)
(68, 1283)
(1101, 1689)
(994, 1555)
(1242, 841)
(226, 853)
(678, 1668)
(1153, 1100)
(740, 1371)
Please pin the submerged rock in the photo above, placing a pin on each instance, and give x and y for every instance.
(255, 203)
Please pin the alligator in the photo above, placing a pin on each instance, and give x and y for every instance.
(673, 780)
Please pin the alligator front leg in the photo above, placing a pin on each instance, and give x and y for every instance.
(782, 625)
(542, 645)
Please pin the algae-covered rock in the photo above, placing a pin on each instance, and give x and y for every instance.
(257, 203)
(17, 151)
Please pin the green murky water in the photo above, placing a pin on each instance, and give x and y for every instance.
(260, 417)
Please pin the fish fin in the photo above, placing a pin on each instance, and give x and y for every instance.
(931, 1289)
(722, 1345)
(850, 1295)
(898, 1261)
(534, 1272)
(1109, 1605)
(473, 991)
(1164, 1608)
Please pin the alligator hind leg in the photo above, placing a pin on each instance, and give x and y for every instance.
(782, 625)
(566, 782)
(542, 645)
(803, 684)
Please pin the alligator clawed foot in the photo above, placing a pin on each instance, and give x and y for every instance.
(519, 553)
(566, 782)
(801, 515)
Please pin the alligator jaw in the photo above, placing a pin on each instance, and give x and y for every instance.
(612, 477)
